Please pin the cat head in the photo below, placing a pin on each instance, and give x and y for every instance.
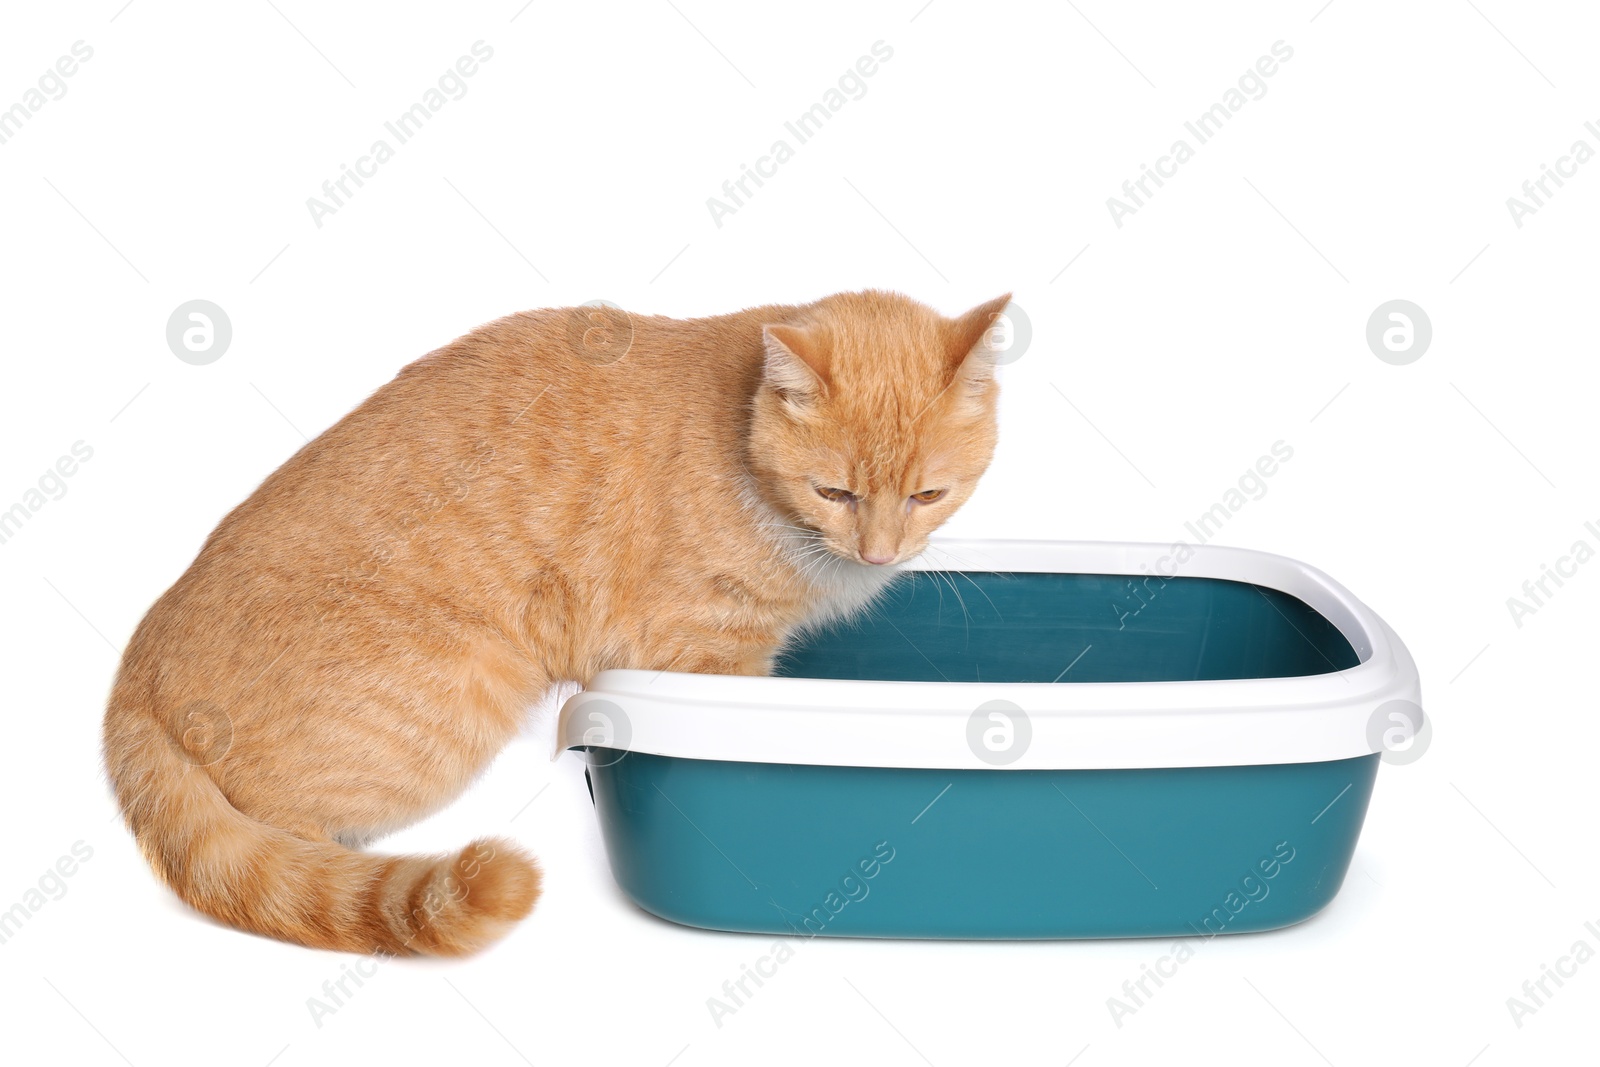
(873, 420)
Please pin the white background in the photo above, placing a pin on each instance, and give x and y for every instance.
(1227, 314)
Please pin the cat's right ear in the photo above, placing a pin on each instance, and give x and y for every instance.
(796, 364)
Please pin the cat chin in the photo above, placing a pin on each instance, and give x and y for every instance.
(847, 589)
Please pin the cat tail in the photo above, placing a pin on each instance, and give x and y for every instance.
(311, 892)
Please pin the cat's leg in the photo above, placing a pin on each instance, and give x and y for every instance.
(242, 798)
(757, 661)
(391, 744)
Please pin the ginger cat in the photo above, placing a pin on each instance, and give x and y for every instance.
(556, 493)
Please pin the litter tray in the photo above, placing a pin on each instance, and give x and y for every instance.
(1058, 740)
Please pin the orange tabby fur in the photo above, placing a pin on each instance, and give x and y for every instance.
(357, 640)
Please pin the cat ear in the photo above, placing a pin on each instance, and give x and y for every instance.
(972, 350)
(796, 365)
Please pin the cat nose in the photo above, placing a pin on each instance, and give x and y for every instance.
(870, 557)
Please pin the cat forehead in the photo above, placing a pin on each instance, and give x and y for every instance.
(872, 362)
(889, 392)
(886, 461)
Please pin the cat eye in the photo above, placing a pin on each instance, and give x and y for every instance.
(928, 496)
(838, 496)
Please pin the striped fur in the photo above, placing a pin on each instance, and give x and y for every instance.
(556, 493)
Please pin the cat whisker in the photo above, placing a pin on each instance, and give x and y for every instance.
(814, 562)
(806, 530)
(942, 575)
(966, 616)
(960, 571)
(968, 579)
(967, 563)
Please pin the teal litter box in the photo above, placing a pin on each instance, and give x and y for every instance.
(1061, 740)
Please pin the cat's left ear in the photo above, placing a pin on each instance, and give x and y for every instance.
(971, 354)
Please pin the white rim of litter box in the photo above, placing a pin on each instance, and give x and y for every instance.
(1081, 725)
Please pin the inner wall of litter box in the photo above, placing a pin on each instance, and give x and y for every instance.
(977, 626)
